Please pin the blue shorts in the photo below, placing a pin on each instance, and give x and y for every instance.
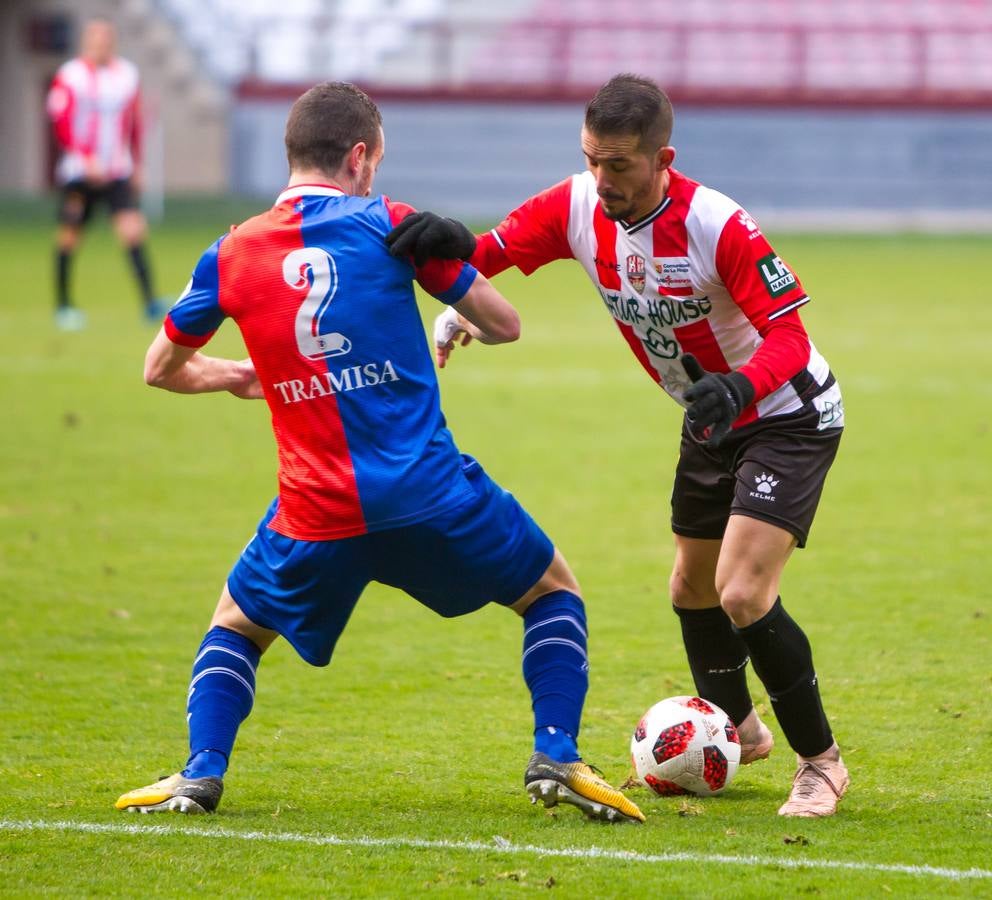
(485, 549)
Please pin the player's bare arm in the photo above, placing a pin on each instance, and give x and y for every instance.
(483, 314)
(184, 370)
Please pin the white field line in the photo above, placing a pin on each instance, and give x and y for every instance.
(497, 845)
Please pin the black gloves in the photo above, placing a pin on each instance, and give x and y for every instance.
(426, 234)
(715, 400)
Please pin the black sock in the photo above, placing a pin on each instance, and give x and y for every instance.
(717, 659)
(782, 659)
(139, 262)
(63, 259)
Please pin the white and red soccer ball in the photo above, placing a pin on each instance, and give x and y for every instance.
(685, 745)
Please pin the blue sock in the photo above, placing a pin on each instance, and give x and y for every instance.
(556, 669)
(556, 743)
(221, 694)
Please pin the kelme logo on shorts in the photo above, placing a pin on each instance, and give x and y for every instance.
(776, 275)
(765, 484)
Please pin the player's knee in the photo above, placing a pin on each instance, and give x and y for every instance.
(689, 593)
(130, 228)
(557, 577)
(743, 601)
(680, 591)
(229, 615)
(67, 239)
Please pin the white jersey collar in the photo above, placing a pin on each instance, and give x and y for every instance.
(309, 190)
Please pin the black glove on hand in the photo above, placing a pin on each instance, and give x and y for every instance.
(426, 234)
(715, 400)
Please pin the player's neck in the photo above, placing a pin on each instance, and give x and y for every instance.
(316, 177)
(654, 199)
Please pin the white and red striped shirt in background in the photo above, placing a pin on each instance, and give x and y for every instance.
(96, 112)
(696, 276)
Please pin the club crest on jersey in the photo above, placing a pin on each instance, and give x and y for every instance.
(636, 272)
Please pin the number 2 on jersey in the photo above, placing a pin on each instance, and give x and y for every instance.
(313, 270)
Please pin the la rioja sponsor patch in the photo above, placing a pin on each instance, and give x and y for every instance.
(776, 275)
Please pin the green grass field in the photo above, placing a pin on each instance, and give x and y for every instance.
(398, 770)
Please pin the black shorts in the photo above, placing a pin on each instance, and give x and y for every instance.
(79, 198)
(770, 470)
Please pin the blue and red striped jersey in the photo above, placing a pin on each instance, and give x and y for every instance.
(331, 323)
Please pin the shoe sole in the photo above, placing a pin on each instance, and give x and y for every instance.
(185, 805)
(808, 814)
(552, 792)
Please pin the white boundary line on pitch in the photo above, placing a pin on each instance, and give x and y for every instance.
(497, 845)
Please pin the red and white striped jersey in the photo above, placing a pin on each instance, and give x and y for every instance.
(696, 275)
(96, 114)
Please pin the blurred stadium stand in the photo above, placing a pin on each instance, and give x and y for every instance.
(824, 50)
(842, 111)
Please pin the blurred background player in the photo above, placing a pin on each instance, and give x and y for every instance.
(95, 107)
(693, 285)
(371, 485)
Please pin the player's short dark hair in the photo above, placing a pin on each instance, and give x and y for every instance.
(326, 122)
(629, 104)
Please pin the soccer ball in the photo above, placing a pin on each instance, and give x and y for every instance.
(685, 745)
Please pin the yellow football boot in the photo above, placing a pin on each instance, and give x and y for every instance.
(577, 783)
(176, 794)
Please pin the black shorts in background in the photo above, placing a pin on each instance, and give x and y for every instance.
(771, 470)
(79, 198)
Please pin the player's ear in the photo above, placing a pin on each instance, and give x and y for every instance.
(356, 158)
(665, 157)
